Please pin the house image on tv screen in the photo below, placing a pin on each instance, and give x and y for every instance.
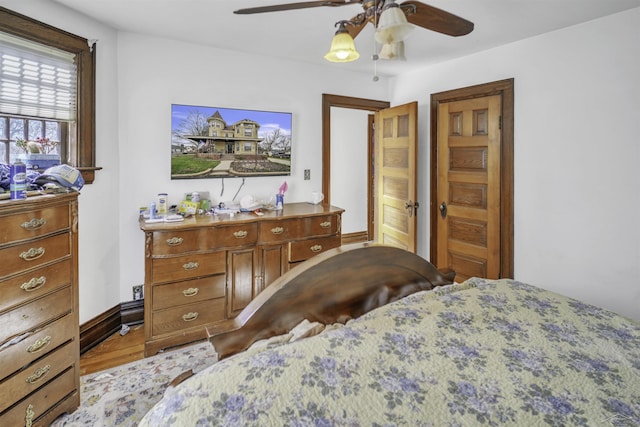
(212, 142)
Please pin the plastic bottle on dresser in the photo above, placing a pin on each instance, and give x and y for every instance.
(18, 180)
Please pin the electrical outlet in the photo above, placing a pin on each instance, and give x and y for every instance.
(307, 174)
(138, 292)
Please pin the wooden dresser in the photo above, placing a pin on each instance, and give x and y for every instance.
(204, 270)
(39, 325)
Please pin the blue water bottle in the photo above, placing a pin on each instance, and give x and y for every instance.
(18, 180)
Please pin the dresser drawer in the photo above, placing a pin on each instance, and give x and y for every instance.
(39, 311)
(321, 225)
(16, 259)
(188, 291)
(203, 239)
(34, 223)
(182, 241)
(21, 288)
(40, 401)
(188, 266)
(36, 375)
(235, 235)
(279, 231)
(305, 249)
(187, 316)
(34, 346)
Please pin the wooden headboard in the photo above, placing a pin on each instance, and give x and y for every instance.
(335, 286)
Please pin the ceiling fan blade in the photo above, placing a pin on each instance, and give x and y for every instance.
(291, 6)
(438, 20)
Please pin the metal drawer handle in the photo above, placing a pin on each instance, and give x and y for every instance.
(175, 241)
(33, 224)
(39, 345)
(189, 317)
(191, 292)
(190, 266)
(316, 248)
(241, 234)
(325, 224)
(33, 284)
(277, 230)
(39, 374)
(29, 415)
(32, 254)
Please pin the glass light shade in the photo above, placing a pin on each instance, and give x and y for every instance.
(392, 25)
(343, 49)
(393, 51)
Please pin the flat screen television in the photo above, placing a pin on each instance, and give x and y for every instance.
(216, 142)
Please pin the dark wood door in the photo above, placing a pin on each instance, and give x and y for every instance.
(469, 187)
(472, 180)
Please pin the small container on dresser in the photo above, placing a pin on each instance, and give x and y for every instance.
(39, 324)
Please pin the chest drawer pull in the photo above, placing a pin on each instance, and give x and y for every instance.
(190, 266)
(33, 284)
(175, 241)
(189, 317)
(325, 224)
(277, 230)
(33, 224)
(191, 292)
(241, 234)
(39, 345)
(38, 374)
(32, 254)
(29, 415)
(316, 248)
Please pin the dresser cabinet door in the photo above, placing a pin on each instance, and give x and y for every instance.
(273, 264)
(242, 281)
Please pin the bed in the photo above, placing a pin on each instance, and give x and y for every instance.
(376, 336)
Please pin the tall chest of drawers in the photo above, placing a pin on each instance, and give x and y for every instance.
(201, 272)
(39, 324)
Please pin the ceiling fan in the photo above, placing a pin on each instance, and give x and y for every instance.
(391, 21)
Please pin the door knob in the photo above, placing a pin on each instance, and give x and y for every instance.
(443, 210)
(410, 206)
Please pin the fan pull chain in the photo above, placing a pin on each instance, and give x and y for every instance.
(375, 56)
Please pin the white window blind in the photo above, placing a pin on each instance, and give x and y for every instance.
(36, 80)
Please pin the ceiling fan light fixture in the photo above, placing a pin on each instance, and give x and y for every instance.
(343, 48)
(393, 51)
(392, 25)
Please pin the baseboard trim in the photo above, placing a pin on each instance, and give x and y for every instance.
(357, 237)
(106, 324)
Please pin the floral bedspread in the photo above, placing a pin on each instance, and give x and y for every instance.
(479, 353)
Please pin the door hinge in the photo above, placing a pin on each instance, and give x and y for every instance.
(500, 122)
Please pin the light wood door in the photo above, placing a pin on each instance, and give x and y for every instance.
(468, 189)
(396, 176)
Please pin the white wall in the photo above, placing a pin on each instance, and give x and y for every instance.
(350, 166)
(577, 185)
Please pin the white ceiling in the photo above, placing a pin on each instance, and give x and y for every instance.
(305, 34)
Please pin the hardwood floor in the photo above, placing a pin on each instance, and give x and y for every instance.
(115, 350)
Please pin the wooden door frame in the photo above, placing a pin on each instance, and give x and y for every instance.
(504, 88)
(329, 101)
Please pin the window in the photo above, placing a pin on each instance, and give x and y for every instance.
(74, 135)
